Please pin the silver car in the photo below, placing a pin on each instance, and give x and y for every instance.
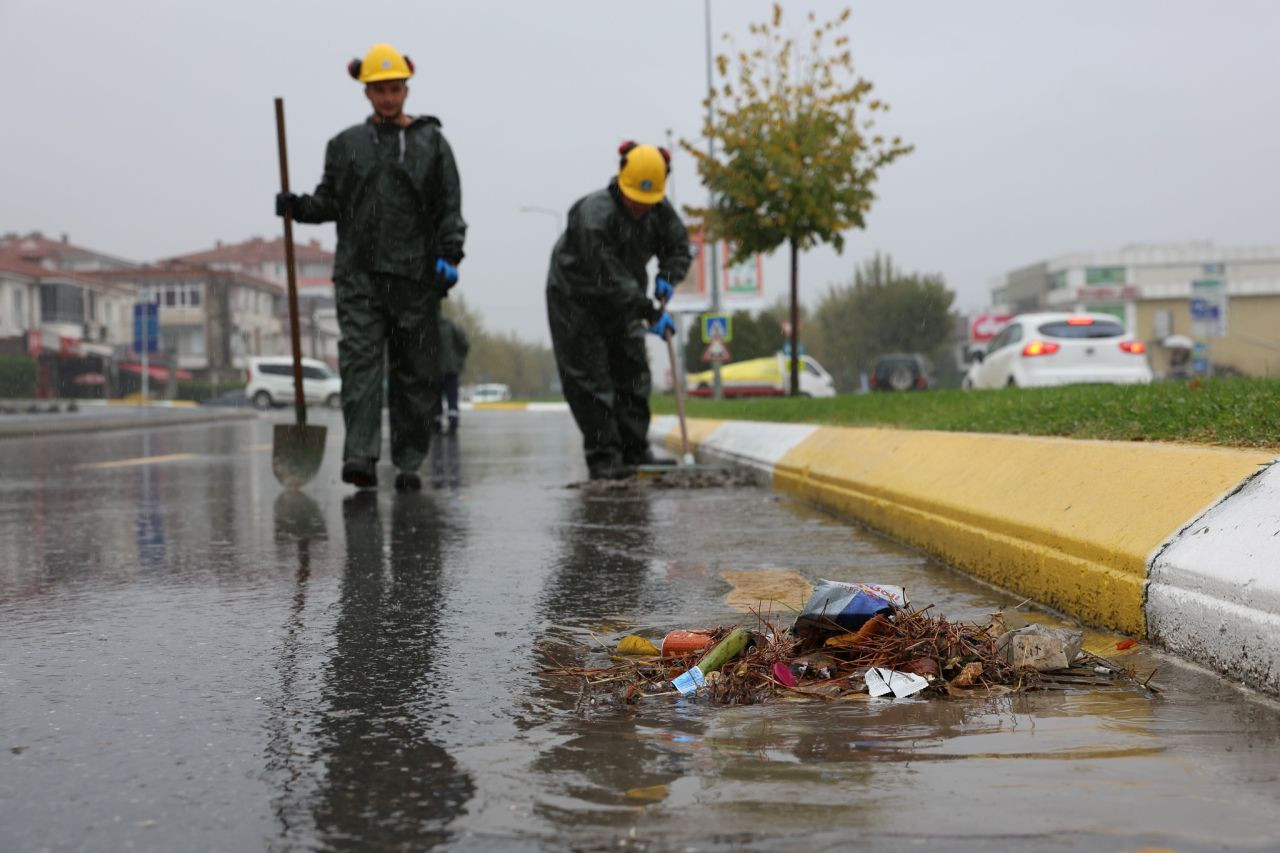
(269, 382)
(1057, 348)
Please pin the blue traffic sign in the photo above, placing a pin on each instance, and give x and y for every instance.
(146, 327)
(716, 327)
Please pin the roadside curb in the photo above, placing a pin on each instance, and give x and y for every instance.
(515, 407)
(27, 426)
(1177, 543)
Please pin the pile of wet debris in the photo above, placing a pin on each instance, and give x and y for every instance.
(851, 641)
(674, 477)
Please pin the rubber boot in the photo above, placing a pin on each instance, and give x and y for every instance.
(361, 472)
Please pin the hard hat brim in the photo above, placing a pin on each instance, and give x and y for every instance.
(379, 76)
(639, 195)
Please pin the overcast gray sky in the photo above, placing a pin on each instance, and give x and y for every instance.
(145, 128)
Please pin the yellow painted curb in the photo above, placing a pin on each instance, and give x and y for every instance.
(509, 407)
(1069, 523)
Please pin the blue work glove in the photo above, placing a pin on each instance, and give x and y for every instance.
(662, 289)
(446, 276)
(287, 203)
(665, 326)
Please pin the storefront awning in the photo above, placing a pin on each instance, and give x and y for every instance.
(155, 371)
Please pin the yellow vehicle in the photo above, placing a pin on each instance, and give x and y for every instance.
(764, 377)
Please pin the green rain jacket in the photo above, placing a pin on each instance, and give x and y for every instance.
(454, 346)
(395, 195)
(601, 257)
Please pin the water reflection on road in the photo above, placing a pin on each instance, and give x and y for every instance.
(195, 660)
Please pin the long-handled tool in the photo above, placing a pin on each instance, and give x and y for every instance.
(297, 449)
(686, 457)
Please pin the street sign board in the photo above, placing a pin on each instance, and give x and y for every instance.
(1208, 308)
(146, 327)
(986, 326)
(716, 351)
(717, 326)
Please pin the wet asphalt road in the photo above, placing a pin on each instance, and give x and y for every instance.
(191, 659)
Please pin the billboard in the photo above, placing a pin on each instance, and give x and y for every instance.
(741, 285)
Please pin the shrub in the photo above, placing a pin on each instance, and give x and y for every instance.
(18, 376)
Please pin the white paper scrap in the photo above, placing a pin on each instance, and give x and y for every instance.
(689, 682)
(900, 684)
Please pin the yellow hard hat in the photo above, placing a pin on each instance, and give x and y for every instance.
(642, 172)
(382, 62)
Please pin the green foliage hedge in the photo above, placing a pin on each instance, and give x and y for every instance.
(18, 376)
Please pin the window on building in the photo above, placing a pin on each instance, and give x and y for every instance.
(93, 307)
(170, 297)
(193, 296)
(61, 303)
(19, 309)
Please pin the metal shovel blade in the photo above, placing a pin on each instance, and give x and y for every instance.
(296, 453)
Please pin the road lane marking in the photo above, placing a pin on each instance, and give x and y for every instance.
(141, 460)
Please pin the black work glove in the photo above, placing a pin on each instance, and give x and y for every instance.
(446, 276)
(287, 203)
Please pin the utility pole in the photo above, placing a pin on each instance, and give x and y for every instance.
(717, 387)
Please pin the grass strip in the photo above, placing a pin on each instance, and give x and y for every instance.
(1230, 412)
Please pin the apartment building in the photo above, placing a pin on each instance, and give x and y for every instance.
(1159, 291)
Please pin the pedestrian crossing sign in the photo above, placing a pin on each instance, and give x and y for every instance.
(717, 327)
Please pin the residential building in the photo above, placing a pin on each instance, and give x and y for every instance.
(57, 310)
(1156, 289)
(211, 320)
(265, 259)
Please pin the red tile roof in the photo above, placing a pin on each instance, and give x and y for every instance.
(35, 246)
(16, 262)
(178, 269)
(257, 251)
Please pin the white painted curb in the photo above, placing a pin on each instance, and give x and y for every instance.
(757, 445)
(1213, 591)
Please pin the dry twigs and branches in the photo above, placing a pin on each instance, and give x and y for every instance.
(827, 662)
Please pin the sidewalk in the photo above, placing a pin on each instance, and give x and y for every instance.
(1176, 543)
(97, 415)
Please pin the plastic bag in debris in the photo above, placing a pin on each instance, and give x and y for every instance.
(836, 604)
(1040, 647)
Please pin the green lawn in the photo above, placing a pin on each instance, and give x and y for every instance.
(1232, 412)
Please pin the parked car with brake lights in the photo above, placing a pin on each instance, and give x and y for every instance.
(1057, 348)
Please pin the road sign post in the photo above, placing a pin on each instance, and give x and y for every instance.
(1208, 320)
(146, 335)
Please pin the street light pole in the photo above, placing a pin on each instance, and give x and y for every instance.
(533, 208)
(717, 386)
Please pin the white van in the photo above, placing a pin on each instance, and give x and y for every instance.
(490, 392)
(269, 382)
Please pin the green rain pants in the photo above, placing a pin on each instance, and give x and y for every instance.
(604, 372)
(396, 319)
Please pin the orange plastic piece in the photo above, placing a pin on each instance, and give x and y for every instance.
(678, 643)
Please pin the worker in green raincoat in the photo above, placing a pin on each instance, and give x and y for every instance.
(599, 309)
(453, 356)
(392, 186)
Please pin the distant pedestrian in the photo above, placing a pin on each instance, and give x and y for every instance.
(391, 185)
(599, 309)
(453, 357)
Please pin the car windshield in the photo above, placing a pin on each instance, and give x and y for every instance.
(1079, 329)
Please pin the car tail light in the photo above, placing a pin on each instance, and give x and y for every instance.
(1034, 348)
(921, 382)
(1135, 347)
(1079, 321)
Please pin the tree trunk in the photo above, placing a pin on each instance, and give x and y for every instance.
(795, 323)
